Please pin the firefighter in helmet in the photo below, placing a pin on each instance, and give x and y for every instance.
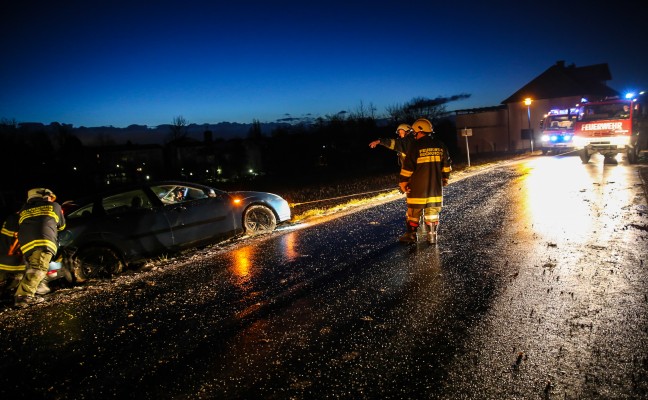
(400, 144)
(40, 220)
(425, 171)
(12, 266)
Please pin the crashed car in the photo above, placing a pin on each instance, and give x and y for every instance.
(108, 231)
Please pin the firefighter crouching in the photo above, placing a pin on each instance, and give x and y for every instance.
(12, 265)
(425, 171)
(40, 220)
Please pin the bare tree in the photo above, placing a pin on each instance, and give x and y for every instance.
(364, 112)
(422, 107)
(8, 123)
(178, 128)
(395, 113)
(255, 131)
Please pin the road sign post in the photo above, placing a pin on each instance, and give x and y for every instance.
(467, 132)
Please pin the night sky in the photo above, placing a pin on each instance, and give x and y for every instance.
(102, 63)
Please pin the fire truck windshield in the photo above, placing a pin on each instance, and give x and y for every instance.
(595, 112)
(559, 122)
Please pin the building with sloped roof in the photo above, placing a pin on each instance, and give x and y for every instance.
(512, 125)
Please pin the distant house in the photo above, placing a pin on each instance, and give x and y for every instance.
(504, 127)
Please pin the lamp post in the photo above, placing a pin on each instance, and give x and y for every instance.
(527, 102)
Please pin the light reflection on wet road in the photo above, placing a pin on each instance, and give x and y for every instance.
(541, 259)
(574, 308)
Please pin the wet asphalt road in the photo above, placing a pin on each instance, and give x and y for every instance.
(537, 289)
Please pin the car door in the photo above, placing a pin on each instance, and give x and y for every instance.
(133, 222)
(194, 216)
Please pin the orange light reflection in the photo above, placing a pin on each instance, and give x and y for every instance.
(288, 244)
(242, 265)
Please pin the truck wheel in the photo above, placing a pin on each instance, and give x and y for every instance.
(632, 155)
(584, 156)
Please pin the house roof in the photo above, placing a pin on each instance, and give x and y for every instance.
(566, 81)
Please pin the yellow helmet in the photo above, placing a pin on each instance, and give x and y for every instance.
(404, 127)
(422, 125)
(39, 193)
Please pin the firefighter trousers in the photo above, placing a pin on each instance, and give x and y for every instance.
(430, 216)
(37, 266)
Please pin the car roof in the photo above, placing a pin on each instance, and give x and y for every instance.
(133, 186)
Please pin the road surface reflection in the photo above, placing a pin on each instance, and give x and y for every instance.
(563, 198)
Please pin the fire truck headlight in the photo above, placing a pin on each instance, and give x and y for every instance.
(544, 138)
(578, 141)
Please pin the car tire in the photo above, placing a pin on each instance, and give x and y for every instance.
(259, 219)
(96, 262)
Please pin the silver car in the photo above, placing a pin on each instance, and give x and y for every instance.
(108, 231)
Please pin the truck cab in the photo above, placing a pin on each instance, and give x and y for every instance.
(558, 130)
(610, 127)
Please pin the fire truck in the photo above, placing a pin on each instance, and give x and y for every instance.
(612, 126)
(558, 130)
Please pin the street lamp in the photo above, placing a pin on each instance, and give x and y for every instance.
(527, 102)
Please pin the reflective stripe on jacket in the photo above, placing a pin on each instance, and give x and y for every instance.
(426, 165)
(39, 224)
(10, 262)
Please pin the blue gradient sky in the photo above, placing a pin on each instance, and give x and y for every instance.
(100, 63)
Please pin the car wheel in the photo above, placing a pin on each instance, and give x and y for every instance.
(259, 219)
(96, 262)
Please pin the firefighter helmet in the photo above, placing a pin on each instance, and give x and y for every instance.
(39, 193)
(422, 125)
(404, 127)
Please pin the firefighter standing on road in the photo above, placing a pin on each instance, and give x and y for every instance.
(40, 221)
(425, 171)
(400, 144)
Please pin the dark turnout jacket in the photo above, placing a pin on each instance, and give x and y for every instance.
(426, 164)
(10, 258)
(39, 224)
(399, 145)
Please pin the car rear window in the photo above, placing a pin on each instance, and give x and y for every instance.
(127, 201)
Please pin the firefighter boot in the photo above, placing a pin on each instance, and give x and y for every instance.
(410, 235)
(43, 287)
(432, 232)
(26, 301)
